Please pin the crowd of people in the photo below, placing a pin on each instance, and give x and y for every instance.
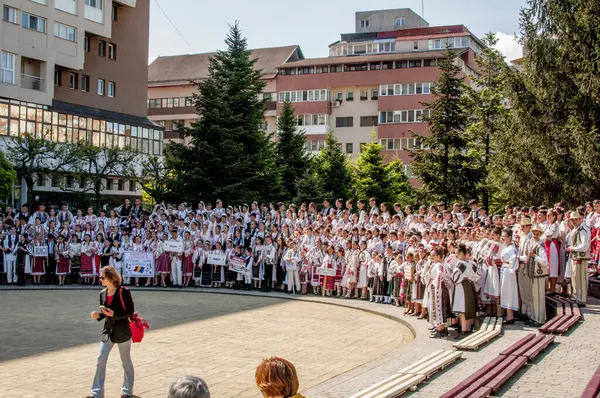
(436, 262)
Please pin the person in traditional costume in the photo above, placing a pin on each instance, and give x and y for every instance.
(551, 238)
(340, 265)
(364, 260)
(10, 255)
(23, 259)
(537, 268)
(439, 294)
(525, 281)
(187, 261)
(490, 291)
(407, 269)
(218, 270)
(75, 258)
(328, 262)
(116, 254)
(464, 302)
(62, 260)
(579, 253)
(509, 289)
(292, 259)
(40, 261)
(163, 260)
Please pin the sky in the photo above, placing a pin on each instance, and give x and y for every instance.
(312, 24)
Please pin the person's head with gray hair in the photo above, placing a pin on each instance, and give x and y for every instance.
(189, 387)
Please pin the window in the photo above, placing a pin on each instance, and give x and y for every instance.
(335, 68)
(415, 45)
(311, 120)
(121, 185)
(302, 96)
(73, 79)
(349, 147)
(86, 44)
(322, 69)
(112, 51)
(387, 65)
(368, 121)
(9, 14)
(113, 16)
(414, 63)
(102, 48)
(375, 66)
(94, 3)
(349, 96)
(33, 22)
(85, 83)
(339, 96)
(57, 77)
(314, 145)
(288, 71)
(111, 89)
(374, 94)
(386, 47)
(132, 187)
(401, 64)
(344, 121)
(400, 22)
(364, 95)
(408, 116)
(364, 23)
(64, 31)
(430, 62)
(7, 68)
(100, 87)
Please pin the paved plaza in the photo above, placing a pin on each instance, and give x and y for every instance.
(48, 344)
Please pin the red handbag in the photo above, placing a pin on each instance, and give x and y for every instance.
(136, 323)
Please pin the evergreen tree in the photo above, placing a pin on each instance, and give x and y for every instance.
(291, 156)
(7, 177)
(230, 156)
(488, 117)
(309, 187)
(549, 149)
(446, 167)
(370, 174)
(398, 189)
(333, 169)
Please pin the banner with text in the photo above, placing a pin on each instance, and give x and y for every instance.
(138, 264)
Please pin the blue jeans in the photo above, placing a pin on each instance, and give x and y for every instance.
(125, 352)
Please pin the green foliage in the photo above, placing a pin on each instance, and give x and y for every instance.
(447, 168)
(398, 188)
(7, 177)
(230, 157)
(370, 174)
(549, 150)
(334, 169)
(291, 156)
(485, 99)
(309, 186)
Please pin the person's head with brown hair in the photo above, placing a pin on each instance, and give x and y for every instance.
(110, 277)
(277, 378)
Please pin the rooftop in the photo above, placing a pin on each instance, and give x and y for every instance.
(191, 67)
(349, 59)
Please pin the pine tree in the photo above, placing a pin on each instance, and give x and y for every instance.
(486, 99)
(446, 167)
(291, 155)
(333, 169)
(370, 175)
(309, 187)
(230, 156)
(398, 189)
(548, 151)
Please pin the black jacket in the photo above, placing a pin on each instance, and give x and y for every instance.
(117, 326)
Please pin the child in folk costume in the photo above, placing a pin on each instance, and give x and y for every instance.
(218, 270)
(464, 302)
(292, 259)
(75, 257)
(353, 266)
(346, 271)
(269, 255)
(373, 273)
(138, 247)
(363, 278)
(509, 289)
(552, 245)
(62, 260)
(490, 292)
(408, 271)
(187, 261)
(304, 268)
(315, 256)
(395, 276)
(23, 258)
(328, 262)
(116, 256)
(439, 294)
(38, 268)
(89, 260)
(163, 260)
(198, 261)
(387, 258)
(104, 253)
(249, 268)
(176, 257)
(280, 273)
(205, 267)
(257, 263)
(340, 265)
(230, 276)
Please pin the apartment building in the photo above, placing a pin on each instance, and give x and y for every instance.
(171, 86)
(374, 82)
(77, 69)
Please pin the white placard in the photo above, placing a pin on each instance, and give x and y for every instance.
(216, 258)
(40, 251)
(290, 267)
(260, 247)
(138, 264)
(173, 246)
(237, 264)
(326, 271)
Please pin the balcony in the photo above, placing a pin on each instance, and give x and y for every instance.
(33, 82)
(182, 110)
(94, 14)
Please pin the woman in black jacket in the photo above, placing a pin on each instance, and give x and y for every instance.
(117, 307)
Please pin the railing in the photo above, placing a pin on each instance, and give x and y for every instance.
(94, 14)
(32, 82)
